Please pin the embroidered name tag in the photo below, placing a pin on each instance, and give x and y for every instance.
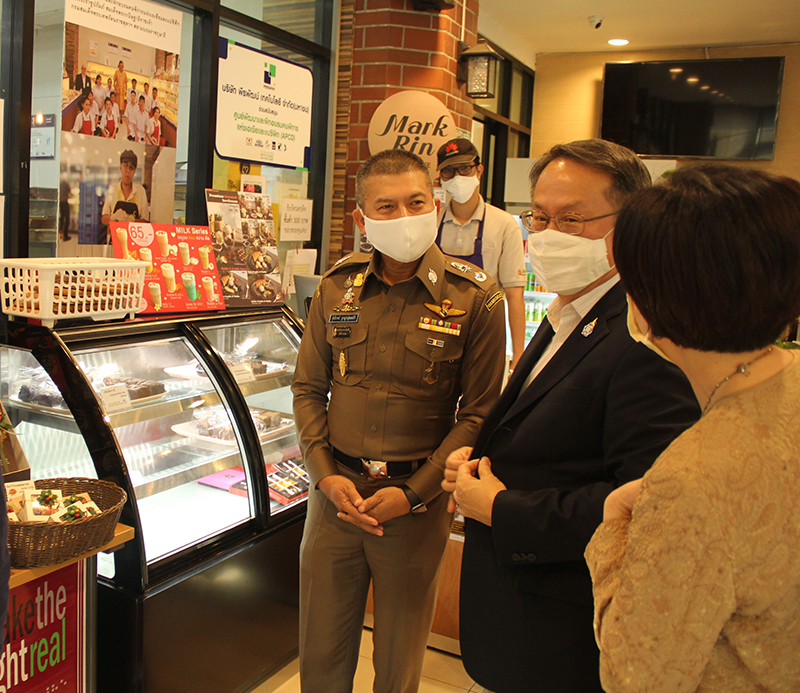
(344, 317)
(342, 331)
(439, 326)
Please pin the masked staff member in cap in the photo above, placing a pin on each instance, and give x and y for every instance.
(586, 410)
(396, 338)
(127, 200)
(473, 230)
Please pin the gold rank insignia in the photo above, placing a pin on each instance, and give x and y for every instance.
(347, 302)
(445, 310)
(359, 280)
(589, 328)
(342, 364)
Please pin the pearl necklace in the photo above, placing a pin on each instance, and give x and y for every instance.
(743, 368)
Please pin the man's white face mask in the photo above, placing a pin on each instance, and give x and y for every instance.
(404, 239)
(461, 188)
(566, 264)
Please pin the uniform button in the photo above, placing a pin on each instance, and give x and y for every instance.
(515, 557)
(392, 308)
(383, 348)
(379, 386)
(373, 428)
(531, 557)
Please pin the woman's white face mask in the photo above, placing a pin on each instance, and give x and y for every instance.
(638, 336)
(404, 239)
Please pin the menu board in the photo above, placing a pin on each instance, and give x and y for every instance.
(182, 276)
(243, 236)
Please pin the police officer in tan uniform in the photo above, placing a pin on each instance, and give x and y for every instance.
(395, 338)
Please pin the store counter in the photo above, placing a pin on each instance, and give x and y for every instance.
(51, 625)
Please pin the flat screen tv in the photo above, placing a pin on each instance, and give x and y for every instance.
(722, 109)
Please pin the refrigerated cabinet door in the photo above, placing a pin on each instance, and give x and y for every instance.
(180, 444)
(43, 423)
(262, 355)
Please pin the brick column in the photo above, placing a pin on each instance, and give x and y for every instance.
(392, 48)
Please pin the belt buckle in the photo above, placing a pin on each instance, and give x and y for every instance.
(375, 469)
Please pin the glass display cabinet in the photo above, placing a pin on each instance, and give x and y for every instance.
(193, 418)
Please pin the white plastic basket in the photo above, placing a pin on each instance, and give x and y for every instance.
(50, 289)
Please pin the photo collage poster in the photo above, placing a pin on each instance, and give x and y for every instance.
(119, 118)
(243, 237)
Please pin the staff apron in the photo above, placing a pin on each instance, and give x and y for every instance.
(477, 253)
(86, 126)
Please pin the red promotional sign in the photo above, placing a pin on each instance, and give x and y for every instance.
(45, 634)
(182, 276)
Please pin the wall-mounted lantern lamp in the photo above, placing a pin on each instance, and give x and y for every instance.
(477, 66)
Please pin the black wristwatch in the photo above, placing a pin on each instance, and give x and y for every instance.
(417, 506)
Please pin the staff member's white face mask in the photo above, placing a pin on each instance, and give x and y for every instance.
(461, 187)
(404, 239)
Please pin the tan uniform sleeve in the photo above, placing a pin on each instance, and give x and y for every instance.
(663, 588)
(481, 379)
(310, 387)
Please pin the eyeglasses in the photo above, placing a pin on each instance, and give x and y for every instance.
(567, 222)
(450, 171)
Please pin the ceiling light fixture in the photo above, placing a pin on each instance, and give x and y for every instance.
(676, 69)
(618, 42)
(692, 80)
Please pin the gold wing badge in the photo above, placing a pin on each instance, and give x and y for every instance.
(445, 310)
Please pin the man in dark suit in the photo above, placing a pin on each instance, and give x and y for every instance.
(82, 82)
(586, 410)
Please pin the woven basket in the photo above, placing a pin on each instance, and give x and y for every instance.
(34, 544)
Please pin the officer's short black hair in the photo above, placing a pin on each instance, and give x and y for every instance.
(389, 162)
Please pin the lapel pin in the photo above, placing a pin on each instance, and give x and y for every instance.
(589, 328)
(432, 276)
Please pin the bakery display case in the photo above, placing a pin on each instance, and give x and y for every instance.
(193, 418)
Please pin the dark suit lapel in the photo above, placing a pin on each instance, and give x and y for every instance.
(527, 361)
(582, 340)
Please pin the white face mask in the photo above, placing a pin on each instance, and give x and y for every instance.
(404, 239)
(461, 187)
(638, 336)
(566, 264)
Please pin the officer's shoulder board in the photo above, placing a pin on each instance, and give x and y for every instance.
(466, 270)
(347, 262)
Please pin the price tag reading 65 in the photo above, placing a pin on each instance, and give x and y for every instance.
(141, 234)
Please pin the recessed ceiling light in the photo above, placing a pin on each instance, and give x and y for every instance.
(692, 80)
(676, 69)
(705, 86)
(618, 42)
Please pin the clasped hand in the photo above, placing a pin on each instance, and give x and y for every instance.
(472, 484)
(367, 514)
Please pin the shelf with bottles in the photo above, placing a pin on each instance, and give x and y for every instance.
(168, 97)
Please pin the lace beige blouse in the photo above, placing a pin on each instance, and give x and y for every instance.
(700, 591)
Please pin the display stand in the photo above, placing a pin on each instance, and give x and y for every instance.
(50, 638)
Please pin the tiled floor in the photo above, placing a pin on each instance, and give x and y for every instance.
(441, 673)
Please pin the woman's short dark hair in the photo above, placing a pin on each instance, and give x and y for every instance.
(389, 162)
(712, 257)
(622, 164)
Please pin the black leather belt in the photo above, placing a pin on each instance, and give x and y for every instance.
(377, 469)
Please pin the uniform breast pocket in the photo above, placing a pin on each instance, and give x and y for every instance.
(349, 353)
(431, 364)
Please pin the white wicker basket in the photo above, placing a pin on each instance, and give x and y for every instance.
(50, 289)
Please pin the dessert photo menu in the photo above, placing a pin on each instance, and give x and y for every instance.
(243, 236)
